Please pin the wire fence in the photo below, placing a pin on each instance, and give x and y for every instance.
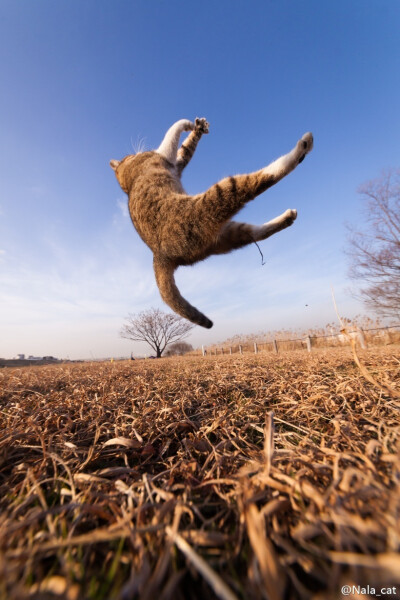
(376, 336)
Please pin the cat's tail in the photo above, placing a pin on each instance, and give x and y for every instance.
(164, 272)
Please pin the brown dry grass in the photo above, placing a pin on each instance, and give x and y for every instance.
(233, 477)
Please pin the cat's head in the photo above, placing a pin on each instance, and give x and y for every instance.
(128, 169)
(122, 170)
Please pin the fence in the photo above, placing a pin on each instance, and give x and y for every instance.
(364, 337)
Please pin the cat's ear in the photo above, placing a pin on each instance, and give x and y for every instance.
(114, 164)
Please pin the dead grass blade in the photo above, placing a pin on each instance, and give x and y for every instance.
(273, 578)
(213, 579)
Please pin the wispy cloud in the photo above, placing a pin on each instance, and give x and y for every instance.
(69, 288)
(71, 298)
(122, 204)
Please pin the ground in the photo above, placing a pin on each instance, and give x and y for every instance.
(267, 476)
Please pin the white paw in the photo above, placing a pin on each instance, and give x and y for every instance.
(188, 125)
(304, 146)
(289, 216)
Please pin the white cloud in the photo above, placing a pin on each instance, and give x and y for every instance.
(122, 204)
(87, 290)
(71, 298)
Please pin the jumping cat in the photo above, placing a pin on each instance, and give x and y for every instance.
(182, 229)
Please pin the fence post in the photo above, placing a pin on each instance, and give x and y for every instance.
(203, 350)
(255, 348)
(308, 342)
(230, 350)
(275, 346)
(361, 339)
(240, 349)
(388, 336)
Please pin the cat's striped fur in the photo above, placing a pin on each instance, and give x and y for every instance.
(182, 229)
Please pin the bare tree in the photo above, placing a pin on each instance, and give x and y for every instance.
(375, 252)
(156, 328)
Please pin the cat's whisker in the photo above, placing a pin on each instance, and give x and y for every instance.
(138, 146)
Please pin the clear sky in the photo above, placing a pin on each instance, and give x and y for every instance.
(84, 82)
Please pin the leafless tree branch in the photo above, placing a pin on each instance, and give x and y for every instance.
(156, 328)
(375, 251)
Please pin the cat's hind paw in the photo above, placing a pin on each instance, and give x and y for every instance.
(289, 216)
(305, 145)
(201, 125)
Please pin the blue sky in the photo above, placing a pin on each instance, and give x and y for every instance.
(84, 82)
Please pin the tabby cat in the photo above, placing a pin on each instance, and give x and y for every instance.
(182, 229)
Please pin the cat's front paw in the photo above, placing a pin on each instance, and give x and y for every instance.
(305, 145)
(201, 125)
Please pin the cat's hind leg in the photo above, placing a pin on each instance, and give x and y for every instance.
(287, 163)
(224, 199)
(284, 220)
(235, 235)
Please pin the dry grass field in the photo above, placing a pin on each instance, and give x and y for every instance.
(251, 477)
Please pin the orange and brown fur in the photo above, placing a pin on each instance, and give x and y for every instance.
(182, 229)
